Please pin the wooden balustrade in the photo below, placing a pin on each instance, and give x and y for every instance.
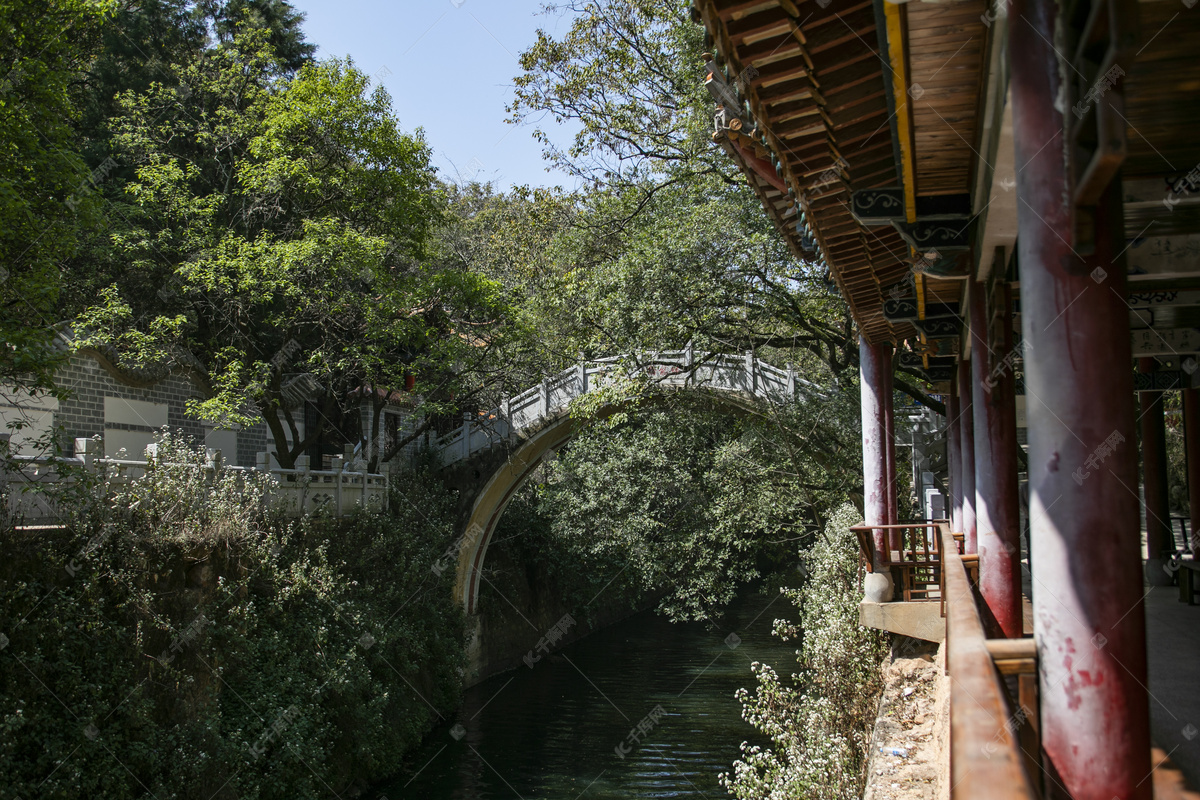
(986, 759)
(916, 566)
(995, 722)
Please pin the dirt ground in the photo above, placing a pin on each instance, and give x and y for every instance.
(913, 719)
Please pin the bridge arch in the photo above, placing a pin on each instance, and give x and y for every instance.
(538, 422)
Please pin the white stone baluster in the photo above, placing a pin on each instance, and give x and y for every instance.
(303, 482)
(339, 463)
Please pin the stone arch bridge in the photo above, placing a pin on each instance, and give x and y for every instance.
(493, 453)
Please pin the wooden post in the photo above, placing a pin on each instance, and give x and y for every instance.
(966, 464)
(872, 363)
(1191, 430)
(1154, 480)
(997, 500)
(954, 457)
(1088, 602)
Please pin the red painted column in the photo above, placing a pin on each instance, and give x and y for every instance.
(953, 457)
(1191, 430)
(966, 449)
(1154, 475)
(1087, 599)
(997, 503)
(873, 362)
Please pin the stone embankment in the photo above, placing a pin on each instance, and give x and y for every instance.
(910, 753)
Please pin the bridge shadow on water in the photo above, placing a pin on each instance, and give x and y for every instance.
(569, 727)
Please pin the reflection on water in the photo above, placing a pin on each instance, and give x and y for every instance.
(643, 709)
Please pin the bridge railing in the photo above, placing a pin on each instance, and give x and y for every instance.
(744, 374)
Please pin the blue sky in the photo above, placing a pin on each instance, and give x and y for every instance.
(449, 66)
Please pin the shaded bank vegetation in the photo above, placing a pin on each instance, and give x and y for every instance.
(179, 647)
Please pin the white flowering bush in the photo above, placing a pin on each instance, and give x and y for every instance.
(819, 720)
(183, 497)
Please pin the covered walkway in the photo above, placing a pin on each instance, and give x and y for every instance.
(1173, 650)
(1007, 196)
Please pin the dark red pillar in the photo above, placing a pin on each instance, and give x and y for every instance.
(953, 458)
(997, 504)
(1154, 475)
(1083, 506)
(1191, 430)
(873, 362)
(966, 449)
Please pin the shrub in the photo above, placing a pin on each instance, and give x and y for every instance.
(819, 721)
(223, 656)
(182, 497)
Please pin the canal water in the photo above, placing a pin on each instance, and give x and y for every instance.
(643, 709)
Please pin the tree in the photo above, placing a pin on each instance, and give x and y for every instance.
(45, 199)
(691, 498)
(279, 18)
(668, 214)
(275, 234)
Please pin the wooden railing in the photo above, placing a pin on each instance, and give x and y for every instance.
(915, 564)
(986, 758)
(995, 722)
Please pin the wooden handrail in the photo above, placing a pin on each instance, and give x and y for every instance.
(985, 759)
(1168, 780)
(1013, 656)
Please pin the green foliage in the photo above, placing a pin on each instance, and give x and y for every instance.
(46, 198)
(688, 498)
(280, 232)
(668, 243)
(280, 663)
(819, 721)
(627, 72)
(181, 497)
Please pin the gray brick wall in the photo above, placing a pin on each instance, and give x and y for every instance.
(252, 441)
(82, 414)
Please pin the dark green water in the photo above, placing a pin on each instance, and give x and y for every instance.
(553, 731)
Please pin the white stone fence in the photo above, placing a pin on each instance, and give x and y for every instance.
(32, 485)
(744, 375)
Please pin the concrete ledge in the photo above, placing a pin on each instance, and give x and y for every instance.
(919, 620)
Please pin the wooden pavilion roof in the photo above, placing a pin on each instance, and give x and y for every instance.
(814, 81)
(842, 96)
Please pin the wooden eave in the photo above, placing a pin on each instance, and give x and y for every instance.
(820, 99)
